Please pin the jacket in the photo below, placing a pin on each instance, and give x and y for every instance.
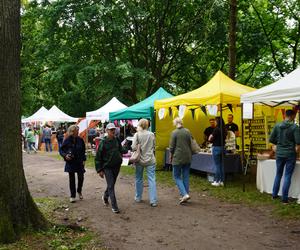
(109, 154)
(180, 146)
(147, 141)
(285, 136)
(75, 147)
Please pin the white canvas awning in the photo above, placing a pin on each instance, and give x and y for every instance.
(56, 115)
(102, 114)
(39, 115)
(284, 91)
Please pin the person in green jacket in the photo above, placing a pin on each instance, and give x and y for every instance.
(108, 162)
(181, 157)
(30, 138)
(285, 136)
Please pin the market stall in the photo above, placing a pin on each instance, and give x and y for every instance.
(221, 95)
(143, 109)
(285, 91)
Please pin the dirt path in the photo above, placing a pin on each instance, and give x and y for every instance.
(204, 223)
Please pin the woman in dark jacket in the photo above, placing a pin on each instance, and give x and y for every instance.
(218, 140)
(73, 152)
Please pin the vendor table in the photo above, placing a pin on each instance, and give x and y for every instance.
(204, 162)
(266, 171)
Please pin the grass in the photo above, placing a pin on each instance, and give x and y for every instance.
(57, 237)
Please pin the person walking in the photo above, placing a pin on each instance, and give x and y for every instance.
(146, 141)
(181, 157)
(47, 133)
(73, 152)
(107, 163)
(60, 135)
(285, 137)
(30, 138)
(218, 148)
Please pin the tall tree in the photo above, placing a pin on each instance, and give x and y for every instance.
(232, 38)
(17, 209)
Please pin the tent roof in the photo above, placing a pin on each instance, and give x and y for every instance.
(284, 90)
(39, 115)
(142, 109)
(219, 89)
(56, 115)
(102, 114)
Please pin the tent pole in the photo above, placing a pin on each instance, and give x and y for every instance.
(222, 142)
(243, 145)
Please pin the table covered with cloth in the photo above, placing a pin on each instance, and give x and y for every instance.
(204, 162)
(266, 171)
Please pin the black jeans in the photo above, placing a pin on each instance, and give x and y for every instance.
(111, 175)
(72, 184)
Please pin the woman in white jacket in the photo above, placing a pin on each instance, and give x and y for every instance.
(146, 140)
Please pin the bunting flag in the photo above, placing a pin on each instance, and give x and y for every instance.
(230, 107)
(170, 112)
(193, 113)
(203, 108)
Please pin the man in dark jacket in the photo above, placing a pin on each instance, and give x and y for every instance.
(285, 136)
(108, 162)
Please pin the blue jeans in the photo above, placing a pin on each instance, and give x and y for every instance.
(289, 163)
(48, 143)
(59, 142)
(181, 175)
(139, 184)
(217, 153)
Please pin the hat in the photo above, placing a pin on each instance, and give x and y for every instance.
(110, 126)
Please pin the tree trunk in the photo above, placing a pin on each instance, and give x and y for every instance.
(18, 211)
(232, 38)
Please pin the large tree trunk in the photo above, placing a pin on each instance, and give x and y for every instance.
(232, 38)
(18, 211)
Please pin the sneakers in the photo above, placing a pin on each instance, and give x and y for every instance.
(215, 184)
(298, 201)
(153, 204)
(184, 199)
(105, 201)
(115, 210)
(72, 200)
(80, 196)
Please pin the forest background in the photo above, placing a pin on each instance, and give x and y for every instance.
(79, 54)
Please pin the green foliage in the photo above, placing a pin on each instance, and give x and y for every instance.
(78, 54)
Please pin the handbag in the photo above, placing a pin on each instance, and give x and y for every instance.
(136, 155)
(194, 146)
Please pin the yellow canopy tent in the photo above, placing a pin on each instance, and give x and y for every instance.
(219, 90)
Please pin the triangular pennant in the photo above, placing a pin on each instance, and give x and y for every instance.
(170, 111)
(193, 113)
(230, 107)
(203, 108)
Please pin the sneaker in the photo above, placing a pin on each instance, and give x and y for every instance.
(215, 184)
(184, 199)
(105, 201)
(153, 204)
(80, 196)
(275, 197)
(115, 210)
(298, 201)
(221, 183)
(72, 200)
(137, 200)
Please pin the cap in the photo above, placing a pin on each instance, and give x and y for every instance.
(110, 126)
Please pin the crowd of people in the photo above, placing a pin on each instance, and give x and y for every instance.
(285, 137)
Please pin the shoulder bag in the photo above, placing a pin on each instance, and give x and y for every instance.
(136, 155)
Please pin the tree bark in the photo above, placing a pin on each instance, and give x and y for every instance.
(18, 211)
(232, 38)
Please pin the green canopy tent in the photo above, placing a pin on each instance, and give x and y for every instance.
(143, 109)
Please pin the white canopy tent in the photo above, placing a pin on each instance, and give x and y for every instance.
(39, 115)
(102, 114)
(56, 115)
(284, 91)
